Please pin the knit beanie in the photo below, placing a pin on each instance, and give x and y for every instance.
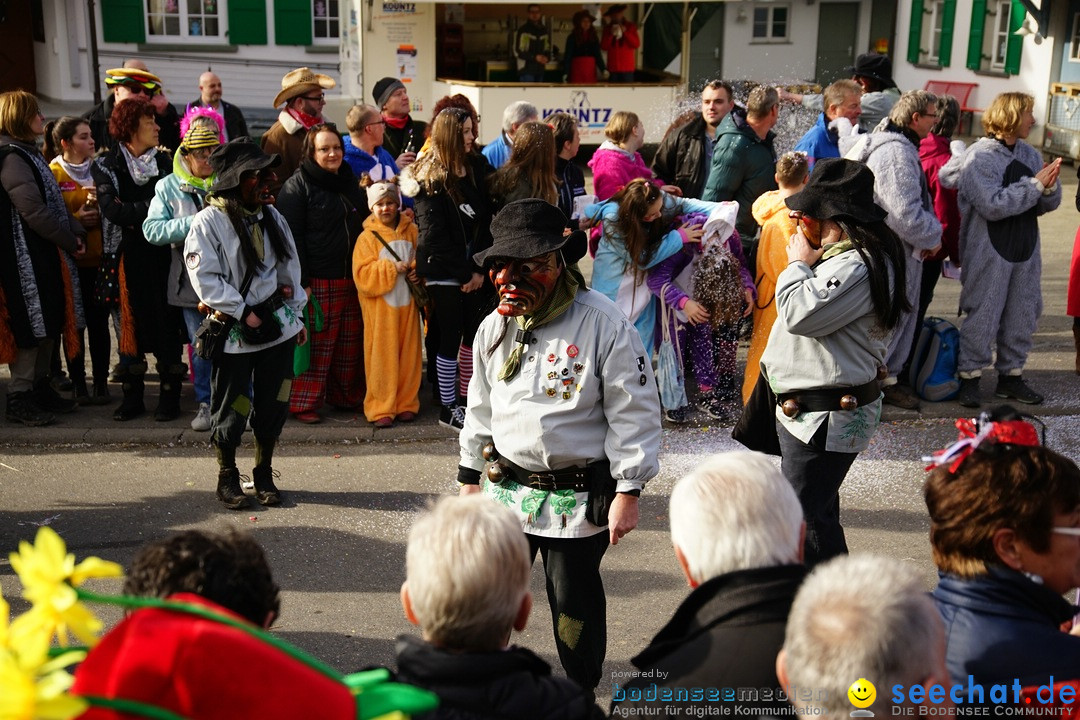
(381, 190)
(384, 89)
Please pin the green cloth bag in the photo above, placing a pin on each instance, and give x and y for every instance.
(314, 322)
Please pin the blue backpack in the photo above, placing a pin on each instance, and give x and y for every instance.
(933, 366)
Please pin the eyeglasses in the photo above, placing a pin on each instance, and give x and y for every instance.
(141, 90)
(321, 97)
(377, 122)
(201, 154)
(1073, 531)
(934, 115)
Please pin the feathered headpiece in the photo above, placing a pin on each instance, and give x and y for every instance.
(195, 111)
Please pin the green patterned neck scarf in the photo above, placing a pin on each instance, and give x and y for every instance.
(562, 296)
(840, 246)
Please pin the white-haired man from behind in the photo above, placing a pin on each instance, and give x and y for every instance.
(515, 115)
(860, 618)
(467, 587)
(737, 528)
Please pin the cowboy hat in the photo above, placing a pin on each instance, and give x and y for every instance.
(299, 81)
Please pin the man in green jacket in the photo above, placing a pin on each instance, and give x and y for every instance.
(744, 161)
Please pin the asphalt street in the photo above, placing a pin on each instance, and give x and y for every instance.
(337, 545)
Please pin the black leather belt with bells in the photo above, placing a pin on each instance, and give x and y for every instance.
(500, 469)
(828, 399)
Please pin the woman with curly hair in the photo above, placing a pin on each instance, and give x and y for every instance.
(125, 177)
(454, 214)
(530, 171)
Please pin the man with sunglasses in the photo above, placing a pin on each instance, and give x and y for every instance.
(127, 82)
(302, 92)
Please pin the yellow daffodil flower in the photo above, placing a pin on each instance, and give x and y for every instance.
(49, 576)
(37, 693)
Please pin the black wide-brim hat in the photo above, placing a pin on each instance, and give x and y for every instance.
(530, 228)
(839, 188)
(874, 66)
(236, 157)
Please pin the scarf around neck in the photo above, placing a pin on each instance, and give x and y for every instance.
(80, 173)
(562, 297)
(251, 222)
(336, 181)
(308, 121)
(141, 168)
(180, 168)
(839, 247)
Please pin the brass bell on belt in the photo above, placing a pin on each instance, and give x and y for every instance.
(489, 452)
(849, 402)
(790, 407)
(496, 473)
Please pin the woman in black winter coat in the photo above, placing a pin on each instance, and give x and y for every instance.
(453, 211)
(125, 177)
(325, 209)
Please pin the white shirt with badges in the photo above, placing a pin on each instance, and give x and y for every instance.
(585, 393)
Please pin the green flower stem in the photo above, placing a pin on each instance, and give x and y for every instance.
(191, 609)
(131, 707)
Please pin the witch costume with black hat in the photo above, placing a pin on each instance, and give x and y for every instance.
(239, 240)
(836, 309)
(563, 422)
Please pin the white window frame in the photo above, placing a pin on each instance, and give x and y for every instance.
(932, 29)
(999, 43)
(770, 12)
(316, 20)
(1074, 39)
(185, 24)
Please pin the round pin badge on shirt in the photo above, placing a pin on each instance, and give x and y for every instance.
(643, 380)
(572, 351)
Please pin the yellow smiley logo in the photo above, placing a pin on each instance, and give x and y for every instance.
(862, 693)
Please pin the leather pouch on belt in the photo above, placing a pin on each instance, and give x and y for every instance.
(601, 494)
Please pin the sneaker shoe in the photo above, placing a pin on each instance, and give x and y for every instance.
(61, 382)
(1013, 387)
(968, 396)
(452, 416)
(202, 423)
(21, 408)
(310, 417)
(713, 405)
(678, 416)
(383, 422)
(99, 394)
(902, 396)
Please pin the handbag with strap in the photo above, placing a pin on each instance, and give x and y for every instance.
(669, 372)
(417, 290)
(213, 332)
(756, 428)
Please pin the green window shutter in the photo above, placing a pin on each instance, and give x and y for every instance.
(975, 39)
(292, 22)
(947, 23)
(915, 31)
(247, 22)
(123, 21)
(1016, 42)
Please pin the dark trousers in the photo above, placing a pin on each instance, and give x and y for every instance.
(268, 373)
(578, 605)
(816, 475)
(97, 332)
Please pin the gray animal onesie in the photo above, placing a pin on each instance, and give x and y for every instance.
(900, 187)
(1000, 201)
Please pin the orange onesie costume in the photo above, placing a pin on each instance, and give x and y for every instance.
(392, 332)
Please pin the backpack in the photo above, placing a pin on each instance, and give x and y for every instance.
(933, 366)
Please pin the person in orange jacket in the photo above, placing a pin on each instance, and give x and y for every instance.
(620, 41)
